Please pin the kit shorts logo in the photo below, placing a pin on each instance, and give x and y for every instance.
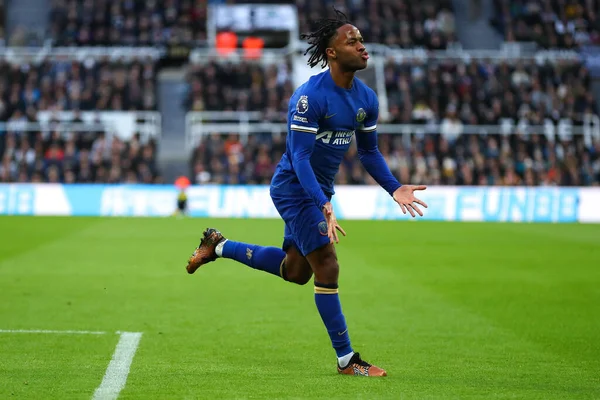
(323, 228)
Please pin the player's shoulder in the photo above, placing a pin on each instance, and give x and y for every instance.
(313, 86)
(309, 94)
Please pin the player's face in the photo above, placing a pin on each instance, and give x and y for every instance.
(350, 49)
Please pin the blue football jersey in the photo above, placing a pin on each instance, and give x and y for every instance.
(334, 115)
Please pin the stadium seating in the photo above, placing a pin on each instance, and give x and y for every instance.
(405, 24)
(453, 95)
(90, 85)
(550, 23)
(133, 23)
(449, 93)
(243, 86)
(76, 158)
(484, 92)
(429, 159)
(58, 154)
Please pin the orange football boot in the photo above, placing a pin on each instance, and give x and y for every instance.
(205, 252)
(358, 366)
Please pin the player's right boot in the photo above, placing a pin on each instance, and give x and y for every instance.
(357, 366)
(205, 252)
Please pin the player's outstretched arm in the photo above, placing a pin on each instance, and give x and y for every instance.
(374, 163)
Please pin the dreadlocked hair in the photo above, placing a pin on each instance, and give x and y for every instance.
(319, 39)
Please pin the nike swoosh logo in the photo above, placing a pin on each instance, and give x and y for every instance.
(341, 333)
(329, 116)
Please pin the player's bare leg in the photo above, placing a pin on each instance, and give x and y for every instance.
(291, 265)
(325, 266)
(295, 267)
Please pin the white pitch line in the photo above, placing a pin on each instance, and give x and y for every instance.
(50, 331)
(118, 368)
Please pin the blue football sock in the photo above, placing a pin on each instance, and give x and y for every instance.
(330, 308)
(268, 259)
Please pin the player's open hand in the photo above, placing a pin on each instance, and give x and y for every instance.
(405, 197)
(332, 224)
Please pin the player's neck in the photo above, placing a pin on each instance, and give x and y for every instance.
(343, 79)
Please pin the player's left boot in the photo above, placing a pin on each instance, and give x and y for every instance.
(357, 366)
(205, 252)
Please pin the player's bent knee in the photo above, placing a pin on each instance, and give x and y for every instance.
(300, 278)
(297, 268)
(299, 274)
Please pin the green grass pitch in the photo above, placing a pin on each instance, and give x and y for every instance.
(451, 310)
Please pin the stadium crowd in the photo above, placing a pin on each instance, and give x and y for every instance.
(76, 158)
(483, 92)
(72, 85)
(428, 24)
(131, 22)
(427, 159)
(451, 94)
(66, 156)
(550, 23)
(241, 87)
(404, 24)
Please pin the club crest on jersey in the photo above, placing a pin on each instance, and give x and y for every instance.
(323, 228)
(361, 115)
(302, 105)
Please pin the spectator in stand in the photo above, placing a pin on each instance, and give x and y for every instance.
(551, 24)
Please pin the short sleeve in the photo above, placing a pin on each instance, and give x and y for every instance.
(370, 123)
(306, 113)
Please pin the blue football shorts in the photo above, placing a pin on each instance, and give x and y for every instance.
(305, 225)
